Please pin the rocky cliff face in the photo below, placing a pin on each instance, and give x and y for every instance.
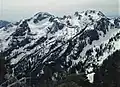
(45, 47)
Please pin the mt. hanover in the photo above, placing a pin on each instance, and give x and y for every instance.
(47, 48)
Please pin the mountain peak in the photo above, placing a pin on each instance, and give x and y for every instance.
(44, 14)
(88, 12)
(40, 16)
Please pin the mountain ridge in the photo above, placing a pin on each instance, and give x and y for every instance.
(72, 44)
(4, 23)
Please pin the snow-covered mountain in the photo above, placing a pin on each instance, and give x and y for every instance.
(3, 23)
(74, 44)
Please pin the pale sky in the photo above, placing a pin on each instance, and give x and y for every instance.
(14, 10)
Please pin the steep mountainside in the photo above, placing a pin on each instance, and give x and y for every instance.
(46, 47)
(108, 74)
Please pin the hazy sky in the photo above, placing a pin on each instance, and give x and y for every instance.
(14, 10)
